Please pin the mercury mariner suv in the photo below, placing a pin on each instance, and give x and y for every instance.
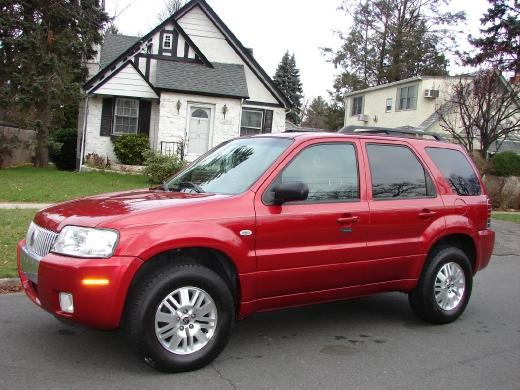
(261, 223)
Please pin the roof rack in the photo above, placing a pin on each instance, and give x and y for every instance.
(391, 132)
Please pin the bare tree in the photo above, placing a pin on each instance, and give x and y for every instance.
(481, 110)
(170, 7)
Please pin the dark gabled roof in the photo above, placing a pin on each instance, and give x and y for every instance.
(113, 46)
(239, 48)
(221, 80)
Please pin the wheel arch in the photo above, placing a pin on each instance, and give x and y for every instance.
(459, 240)
(212, 258)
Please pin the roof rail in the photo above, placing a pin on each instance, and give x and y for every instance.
(391, 132)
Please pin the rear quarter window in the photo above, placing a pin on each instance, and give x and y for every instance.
(457, 170)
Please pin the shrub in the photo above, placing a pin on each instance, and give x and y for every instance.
(94, 160)
(130, 148)
(159, 167)
(62, 148)
(506, 164)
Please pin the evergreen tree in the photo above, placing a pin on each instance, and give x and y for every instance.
(500, 40)
(391, 40)
(43, 48)
(287, 79)
(317, 112)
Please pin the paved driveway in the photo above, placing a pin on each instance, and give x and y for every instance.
(368, 343)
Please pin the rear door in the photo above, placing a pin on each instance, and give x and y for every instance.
(307, 246)
(404, 209)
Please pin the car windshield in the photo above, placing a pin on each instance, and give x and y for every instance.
(231, 168)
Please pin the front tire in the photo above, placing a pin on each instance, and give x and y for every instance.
(444, 288)
(180, 317)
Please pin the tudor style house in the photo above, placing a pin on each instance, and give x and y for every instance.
(187, 82)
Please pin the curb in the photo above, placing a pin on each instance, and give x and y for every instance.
(12, 205)
(10, 283)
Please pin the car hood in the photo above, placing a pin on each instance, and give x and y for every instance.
(106, 209)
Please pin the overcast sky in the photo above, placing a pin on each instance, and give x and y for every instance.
(271, 27)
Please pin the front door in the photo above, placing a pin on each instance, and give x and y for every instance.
(316, 244)
(198, 131)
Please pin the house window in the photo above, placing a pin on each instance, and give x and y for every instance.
(167, 41)
(357, 105)
(126, 116)
(388, 106)
(407, 97)
(251, 122)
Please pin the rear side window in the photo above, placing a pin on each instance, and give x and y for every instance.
(330, 171)
(457, 170)
(397, 174)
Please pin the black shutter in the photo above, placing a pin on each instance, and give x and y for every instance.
(268, 122)
(107, 117)
(145, 112)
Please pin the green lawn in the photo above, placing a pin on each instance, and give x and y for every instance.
(48, 185)
(13, 227)
(507, 217)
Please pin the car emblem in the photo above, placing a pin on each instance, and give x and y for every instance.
(246, 233)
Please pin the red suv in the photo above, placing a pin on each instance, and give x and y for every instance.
(262, 223)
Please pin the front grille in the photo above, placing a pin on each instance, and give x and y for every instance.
(40, 240)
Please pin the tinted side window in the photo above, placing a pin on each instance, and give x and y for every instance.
(456, 170)
(396, 173)
(330, 171)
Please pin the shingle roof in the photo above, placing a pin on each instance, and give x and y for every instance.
(113, 46)
(222, 79)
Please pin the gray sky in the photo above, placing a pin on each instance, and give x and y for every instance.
(265, 25)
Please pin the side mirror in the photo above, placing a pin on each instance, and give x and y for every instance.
(290, 192)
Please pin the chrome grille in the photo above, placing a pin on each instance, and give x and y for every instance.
(40, 240)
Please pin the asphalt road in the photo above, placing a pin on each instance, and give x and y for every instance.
(368, 343)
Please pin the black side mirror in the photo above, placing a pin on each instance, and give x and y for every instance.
(290, 192)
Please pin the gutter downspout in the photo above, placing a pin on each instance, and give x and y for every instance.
(83, 135)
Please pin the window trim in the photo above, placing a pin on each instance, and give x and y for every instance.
(261, 128)
(362, 97)
(163, 44)
(419, 160)
(398, 97)
(267, 190)
(116, 99)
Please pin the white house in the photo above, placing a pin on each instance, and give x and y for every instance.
(188, 81)
(411, 103)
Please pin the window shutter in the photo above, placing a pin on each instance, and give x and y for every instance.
(145, 113)
(107, 117)
(268, 122)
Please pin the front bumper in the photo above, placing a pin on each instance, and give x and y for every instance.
(97, 306)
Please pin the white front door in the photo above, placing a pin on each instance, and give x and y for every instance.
(198, 132)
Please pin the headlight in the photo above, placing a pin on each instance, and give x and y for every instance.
(86, 242)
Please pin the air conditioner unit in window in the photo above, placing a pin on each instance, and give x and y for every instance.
(362, 118)
(431, 93)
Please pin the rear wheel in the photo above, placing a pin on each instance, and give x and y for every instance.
(444, 288)
(180, 317)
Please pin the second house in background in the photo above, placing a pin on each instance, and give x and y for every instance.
(188, 80)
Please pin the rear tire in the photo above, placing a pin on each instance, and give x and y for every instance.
(180, 317)
(444, 288)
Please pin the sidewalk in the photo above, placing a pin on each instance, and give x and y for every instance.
(9, 205)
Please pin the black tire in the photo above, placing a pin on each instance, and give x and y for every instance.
(142, 305)
(422, 299)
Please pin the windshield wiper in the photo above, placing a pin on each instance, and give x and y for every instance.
(190, 185)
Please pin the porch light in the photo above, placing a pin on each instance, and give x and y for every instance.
(179, 104)
(224, 110)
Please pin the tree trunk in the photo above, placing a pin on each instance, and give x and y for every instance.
(42, 136)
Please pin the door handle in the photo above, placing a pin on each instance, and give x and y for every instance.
(427, 214)
(345, 220)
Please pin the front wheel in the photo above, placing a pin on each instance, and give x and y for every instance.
(444, 288)
(180, 317)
